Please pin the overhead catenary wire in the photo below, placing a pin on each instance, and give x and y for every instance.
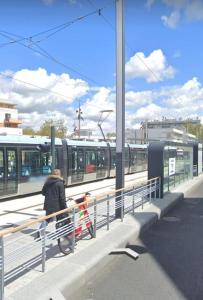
(10, 76)
(127, 44)
(6, 75)
(55, 29)
(44, 53)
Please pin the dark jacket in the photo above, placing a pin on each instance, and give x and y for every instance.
(54, 193)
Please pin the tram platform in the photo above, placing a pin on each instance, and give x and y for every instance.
(66, 274)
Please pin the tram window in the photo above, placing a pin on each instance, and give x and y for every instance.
(80, 160)
(133, 157)
(11, 163)
(46, 163)
(101, 158)
(1, 164)
(74, 160)
(113, 158)
(30, 162)
(90, 159)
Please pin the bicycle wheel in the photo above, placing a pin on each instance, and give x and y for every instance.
(65, 244)
(91, 230)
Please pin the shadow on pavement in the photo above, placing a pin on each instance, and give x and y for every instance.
(176, 242)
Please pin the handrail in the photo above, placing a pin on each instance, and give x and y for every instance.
(10, 230)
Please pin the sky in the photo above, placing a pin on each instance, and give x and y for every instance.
(55, 54)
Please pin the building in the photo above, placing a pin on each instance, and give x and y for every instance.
(165, 130)
(171, 123)
(9, 121)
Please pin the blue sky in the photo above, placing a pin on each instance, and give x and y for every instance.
(164, 74)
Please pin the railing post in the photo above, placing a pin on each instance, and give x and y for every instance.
(1, 268)
(155, 189)
(43, 239)
(143, 198)
(159, 187)
(95, 217)
(107, 212)
(122, 207)
(150, 191)
(74, 223)
(133, 200)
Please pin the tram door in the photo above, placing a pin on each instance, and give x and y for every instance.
(77, 162)
(8, 172)
(11, 174)
(101, 163)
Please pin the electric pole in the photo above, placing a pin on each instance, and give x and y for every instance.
(120, 105)
(79, 113)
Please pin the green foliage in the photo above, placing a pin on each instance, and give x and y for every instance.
(111, 134)
(45, 129)
(196, 129)
(29, 131)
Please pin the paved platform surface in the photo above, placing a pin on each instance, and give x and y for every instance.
(66, 274)
(170, 260)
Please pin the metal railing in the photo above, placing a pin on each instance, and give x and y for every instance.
(27, 246)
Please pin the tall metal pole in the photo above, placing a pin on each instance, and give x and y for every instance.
(53, 133)
(79, 120)
(120, 104)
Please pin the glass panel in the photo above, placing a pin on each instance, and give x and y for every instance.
(30, 163)
(177, 166)
(1, 164)
(90, 158)
(101, 163)
(2, 172)
(80, 160)
(11, 172)
(46, 163)
(74, 161)
(11, 164)
(77, 165)
(126, 158)
(113, 158)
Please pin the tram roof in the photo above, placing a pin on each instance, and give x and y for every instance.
(26, 139)
(86, 143)
(142, 146)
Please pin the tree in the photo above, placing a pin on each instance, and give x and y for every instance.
(45, 129)
(111, 134)
(196, 129)
(29, 131)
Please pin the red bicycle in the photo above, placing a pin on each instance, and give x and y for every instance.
(65, 242)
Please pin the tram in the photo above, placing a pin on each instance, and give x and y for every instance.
(25, 162)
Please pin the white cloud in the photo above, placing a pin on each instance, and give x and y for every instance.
(35, 106)
(194, 10)
(172, 20)
(103, 99)
(32, 100)
(135, 99)
(191, 10)
(153, 68)
(187, 98)
(149, 112)
(149, 3)
(48, 2)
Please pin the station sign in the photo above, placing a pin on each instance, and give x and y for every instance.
(172, 166)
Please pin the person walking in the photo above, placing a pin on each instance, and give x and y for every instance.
(54, 192)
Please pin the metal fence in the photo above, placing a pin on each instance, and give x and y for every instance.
(29, 245)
